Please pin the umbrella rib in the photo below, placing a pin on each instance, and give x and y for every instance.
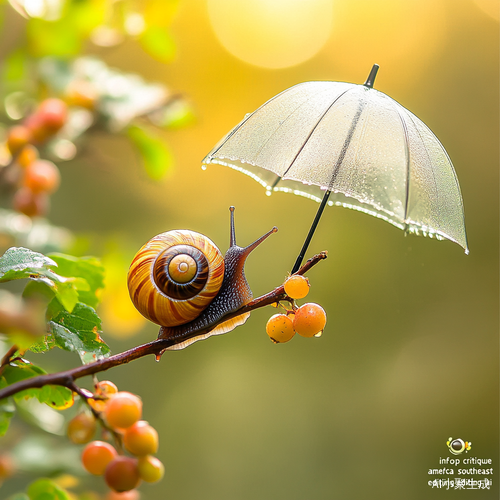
(427, 154)
(407, 156)
(235, 129)
(347, 142)
(410, 116)
(311, 133)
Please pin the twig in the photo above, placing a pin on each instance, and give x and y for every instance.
(157, 347)
(8, 357)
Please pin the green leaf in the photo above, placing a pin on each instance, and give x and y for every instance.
(78, 331)
(53, 395)
(46, 489)
(22, 263)
(19, 263)
(174, 115)
(56, 396)
(53, 38)
(19, 496)
(46, 343)
(66, 294)
(89, 269)
(59, 455)
(154, 150)
(15, 66)
(158, 42)
(7, 410)
(39, 290)
(21, 369)
(41, 415)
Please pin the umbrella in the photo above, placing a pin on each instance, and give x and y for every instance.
(349, 145)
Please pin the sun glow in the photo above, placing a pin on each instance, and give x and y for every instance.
(272, 34)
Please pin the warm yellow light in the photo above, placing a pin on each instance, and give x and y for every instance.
(272, 33)
(400, 36)
(489, 7)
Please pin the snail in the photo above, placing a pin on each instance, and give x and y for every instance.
(180, 281)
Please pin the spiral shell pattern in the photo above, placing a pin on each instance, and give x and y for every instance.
(175, 276)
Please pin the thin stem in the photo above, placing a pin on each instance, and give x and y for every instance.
(8, 355)
(86, 396)
(156, 347)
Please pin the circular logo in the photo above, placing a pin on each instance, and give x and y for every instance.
(458, 446)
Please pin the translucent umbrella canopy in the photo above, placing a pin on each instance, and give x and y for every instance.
(368, 151)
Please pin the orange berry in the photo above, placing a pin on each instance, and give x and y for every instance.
(39, 132)
(297, 286)
(7, 467)
(104, 389)
(280, 328)
(53, 113)
(81, 429)
(141, 439)
(29, 203)
(18, 136)
(50, 116)
(27, 156)
(122, 474)
(96, 456)
(309, 320)
(42, 176)
(123, 409)
(150, 469)
(126, 495)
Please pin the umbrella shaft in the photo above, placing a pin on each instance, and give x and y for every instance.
(300, 258)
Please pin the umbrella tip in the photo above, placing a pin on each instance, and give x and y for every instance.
(371, 77)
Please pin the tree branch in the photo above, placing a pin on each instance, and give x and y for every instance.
(157, 347)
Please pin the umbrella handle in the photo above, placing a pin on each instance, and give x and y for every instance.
(369, 83)
(302, 253)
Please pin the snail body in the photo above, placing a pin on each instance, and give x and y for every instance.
(180, 281)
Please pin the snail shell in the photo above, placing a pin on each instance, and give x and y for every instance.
(175, 276)
(180, 281)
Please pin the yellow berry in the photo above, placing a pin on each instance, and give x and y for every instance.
(150, 469)
(280, 328)
(81, 429)
(18, 136)
(309, 320)
(297, 286)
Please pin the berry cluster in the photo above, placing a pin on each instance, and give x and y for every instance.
(35, 178)
(308, 320)
(121, 414)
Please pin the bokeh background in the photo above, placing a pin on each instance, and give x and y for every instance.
(409, 356)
